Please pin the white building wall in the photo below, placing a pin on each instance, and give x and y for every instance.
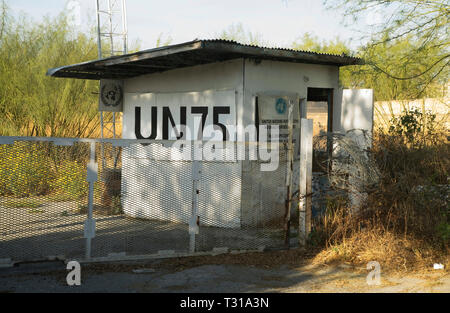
(218, 76)
(162, 189)
(264, 193)
(246, 195)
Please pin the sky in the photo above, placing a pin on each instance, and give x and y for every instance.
(280, 22)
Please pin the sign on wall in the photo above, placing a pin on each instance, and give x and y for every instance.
(274, 110)
(111, 95)
(146, 176)
(162, 116)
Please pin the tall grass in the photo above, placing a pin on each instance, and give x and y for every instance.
(405, 221)
(40, 169)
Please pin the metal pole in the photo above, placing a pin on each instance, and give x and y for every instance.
(102, 151)
(304, 204)
(194, 222)
(110, 13)
(100, 55)
(89, 225)
(89, 218)
(114, 125)
(289, 164)
(99, 40)
(114, 136)
(124, 27)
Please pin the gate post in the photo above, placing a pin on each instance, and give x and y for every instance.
(89, 224)
(305, 183)
(289, 169)
(194, 222)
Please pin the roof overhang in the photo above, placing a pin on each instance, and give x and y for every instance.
(190, 54)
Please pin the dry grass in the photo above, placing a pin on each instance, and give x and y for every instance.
(398, 227)
(394, 253)
(404, 224)
(22, 203)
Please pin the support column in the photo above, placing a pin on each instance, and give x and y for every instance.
(289, 169)
(194, 222)
(305, 183)
(89, 224)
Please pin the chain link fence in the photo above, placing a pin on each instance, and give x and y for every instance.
(88, 198)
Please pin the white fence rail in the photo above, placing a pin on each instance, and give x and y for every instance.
(58, 200)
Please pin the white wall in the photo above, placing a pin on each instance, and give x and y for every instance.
(384, 111)
(219, 76)
(246, 195)
(160, 189)
(264, 193)
(173, 101)
(354, 110)
(284, 77)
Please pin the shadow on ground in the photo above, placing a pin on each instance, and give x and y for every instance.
(182, 275)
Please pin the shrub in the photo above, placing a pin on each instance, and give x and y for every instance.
(70, 179)
(40, 169)
(116, 206)
(405, 219)
(414, 127)
(23, 171)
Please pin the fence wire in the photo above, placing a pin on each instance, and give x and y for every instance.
(42, 193)
(143, 200)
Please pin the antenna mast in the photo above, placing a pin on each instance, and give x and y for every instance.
(112, 39)
(112, 26)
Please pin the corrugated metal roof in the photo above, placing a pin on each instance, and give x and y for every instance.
(190, 54)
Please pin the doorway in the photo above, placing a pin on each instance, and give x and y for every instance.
(319, 108)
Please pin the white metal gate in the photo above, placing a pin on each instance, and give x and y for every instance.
(57, 200)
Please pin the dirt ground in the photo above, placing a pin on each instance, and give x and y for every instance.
(56, 229)
(221, 274)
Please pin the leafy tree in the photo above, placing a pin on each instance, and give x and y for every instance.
(392, 53)
(411, 43)
(3, 17)
(309, 42)
(238, 33)
(415, 127)
(161, 41)
(33, 104)
(422, 81)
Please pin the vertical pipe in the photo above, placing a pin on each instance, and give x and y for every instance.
(125, 27)
(193, 225)
(309, 165)
(114, 136)
(305, 183)
(101, 123)
(100, 55)
(102, 152)
(289, 168)
(91, 167)
(114, 125)
(90, 209)
(99, 40)
(110, 13)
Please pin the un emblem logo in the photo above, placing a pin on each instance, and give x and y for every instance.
(280, 106)
(111, 94)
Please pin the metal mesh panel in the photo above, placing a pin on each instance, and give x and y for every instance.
(142, 200)
(42, 191)
(219, 204)
(246, 205)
